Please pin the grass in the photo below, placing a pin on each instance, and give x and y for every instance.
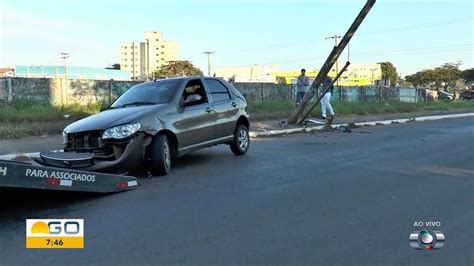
(283, 109)
(32, 119)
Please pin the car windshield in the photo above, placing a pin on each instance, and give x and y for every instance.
(147, 93)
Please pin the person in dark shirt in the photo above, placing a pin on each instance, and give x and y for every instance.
(302, 84)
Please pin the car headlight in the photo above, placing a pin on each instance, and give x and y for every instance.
(121, 132)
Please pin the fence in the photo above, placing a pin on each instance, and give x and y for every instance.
(59, 92)
(261, 92)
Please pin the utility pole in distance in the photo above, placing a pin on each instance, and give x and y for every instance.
(335, 37)
(208, 62)
(64, 56)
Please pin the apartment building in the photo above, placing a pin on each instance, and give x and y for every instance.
(132, 59)
(141, 59)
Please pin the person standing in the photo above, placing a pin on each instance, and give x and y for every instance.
(302, 84)
(325, 101)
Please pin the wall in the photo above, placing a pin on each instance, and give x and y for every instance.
(59, 92)
(260, 92)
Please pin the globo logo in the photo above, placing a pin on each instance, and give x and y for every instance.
(56, 228)
(55, 233)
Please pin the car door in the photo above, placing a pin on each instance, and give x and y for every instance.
(225, 106)
(197, 119)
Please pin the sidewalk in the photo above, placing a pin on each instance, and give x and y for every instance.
(277, 127)
(259, 126)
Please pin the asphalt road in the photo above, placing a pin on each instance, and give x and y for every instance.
(325, 198)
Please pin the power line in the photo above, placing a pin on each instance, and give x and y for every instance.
(414, 49)
(418, 26)
(424, 52)
(421, 50)
(369, 33)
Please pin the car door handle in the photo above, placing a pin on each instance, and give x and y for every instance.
(208, 109)
(234, 104)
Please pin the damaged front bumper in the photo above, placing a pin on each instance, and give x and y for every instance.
(107, 156)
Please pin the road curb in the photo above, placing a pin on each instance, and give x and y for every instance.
(276, 132)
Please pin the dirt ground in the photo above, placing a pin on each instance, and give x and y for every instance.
(275, 124)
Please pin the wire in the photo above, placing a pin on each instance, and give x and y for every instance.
(420, 50)
(369, 33)
(415, 49)
(418, 26)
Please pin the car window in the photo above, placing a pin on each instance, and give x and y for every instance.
(150, 92)
(194, 87)
(218, 91)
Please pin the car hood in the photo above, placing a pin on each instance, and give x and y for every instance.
(112, 117)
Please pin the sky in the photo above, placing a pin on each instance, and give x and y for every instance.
(412, 34)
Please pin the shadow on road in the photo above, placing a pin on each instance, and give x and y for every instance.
(18, 203)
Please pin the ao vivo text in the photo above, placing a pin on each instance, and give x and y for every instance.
(427, 224)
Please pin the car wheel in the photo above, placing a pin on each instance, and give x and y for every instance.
(160, 156)
(241, 143)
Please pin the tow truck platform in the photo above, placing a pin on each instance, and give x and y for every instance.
(29, 174)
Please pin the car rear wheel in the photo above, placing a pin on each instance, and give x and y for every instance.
(160, 156)
(240, 144)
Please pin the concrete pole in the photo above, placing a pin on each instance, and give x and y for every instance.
(208, 62)
(335, 37)
(64, 56)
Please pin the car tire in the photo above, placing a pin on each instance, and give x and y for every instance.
(241, 143)
(160, 156)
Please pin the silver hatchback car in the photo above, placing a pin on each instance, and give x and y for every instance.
(155, 122)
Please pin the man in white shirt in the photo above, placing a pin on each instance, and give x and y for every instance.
(325, 101)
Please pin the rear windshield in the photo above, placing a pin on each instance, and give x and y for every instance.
(150, 92)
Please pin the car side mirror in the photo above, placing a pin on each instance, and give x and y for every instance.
(192, 99)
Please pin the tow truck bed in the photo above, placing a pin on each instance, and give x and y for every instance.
(29, 174)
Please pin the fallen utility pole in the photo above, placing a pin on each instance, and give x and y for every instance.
(333, 56)
(325, 90)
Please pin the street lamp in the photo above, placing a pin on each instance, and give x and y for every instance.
(208, 53)
(64, 56)
(335, 37)
(373, 81)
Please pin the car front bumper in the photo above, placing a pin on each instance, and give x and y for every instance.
(123, 160)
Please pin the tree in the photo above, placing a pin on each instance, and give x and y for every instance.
(468, 74)
(447, 73)
(176, 69)
(114, 66)
(389, 72)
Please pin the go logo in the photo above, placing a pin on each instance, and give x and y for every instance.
(54, 233)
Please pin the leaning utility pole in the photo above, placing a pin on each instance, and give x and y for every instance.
(208, 62)
(335, 37)
(335, 53)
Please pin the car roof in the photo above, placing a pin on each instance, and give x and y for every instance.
(188, 78)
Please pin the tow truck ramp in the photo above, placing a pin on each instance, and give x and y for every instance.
(18, 174)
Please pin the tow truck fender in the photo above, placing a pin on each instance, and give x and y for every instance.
(17, 174)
